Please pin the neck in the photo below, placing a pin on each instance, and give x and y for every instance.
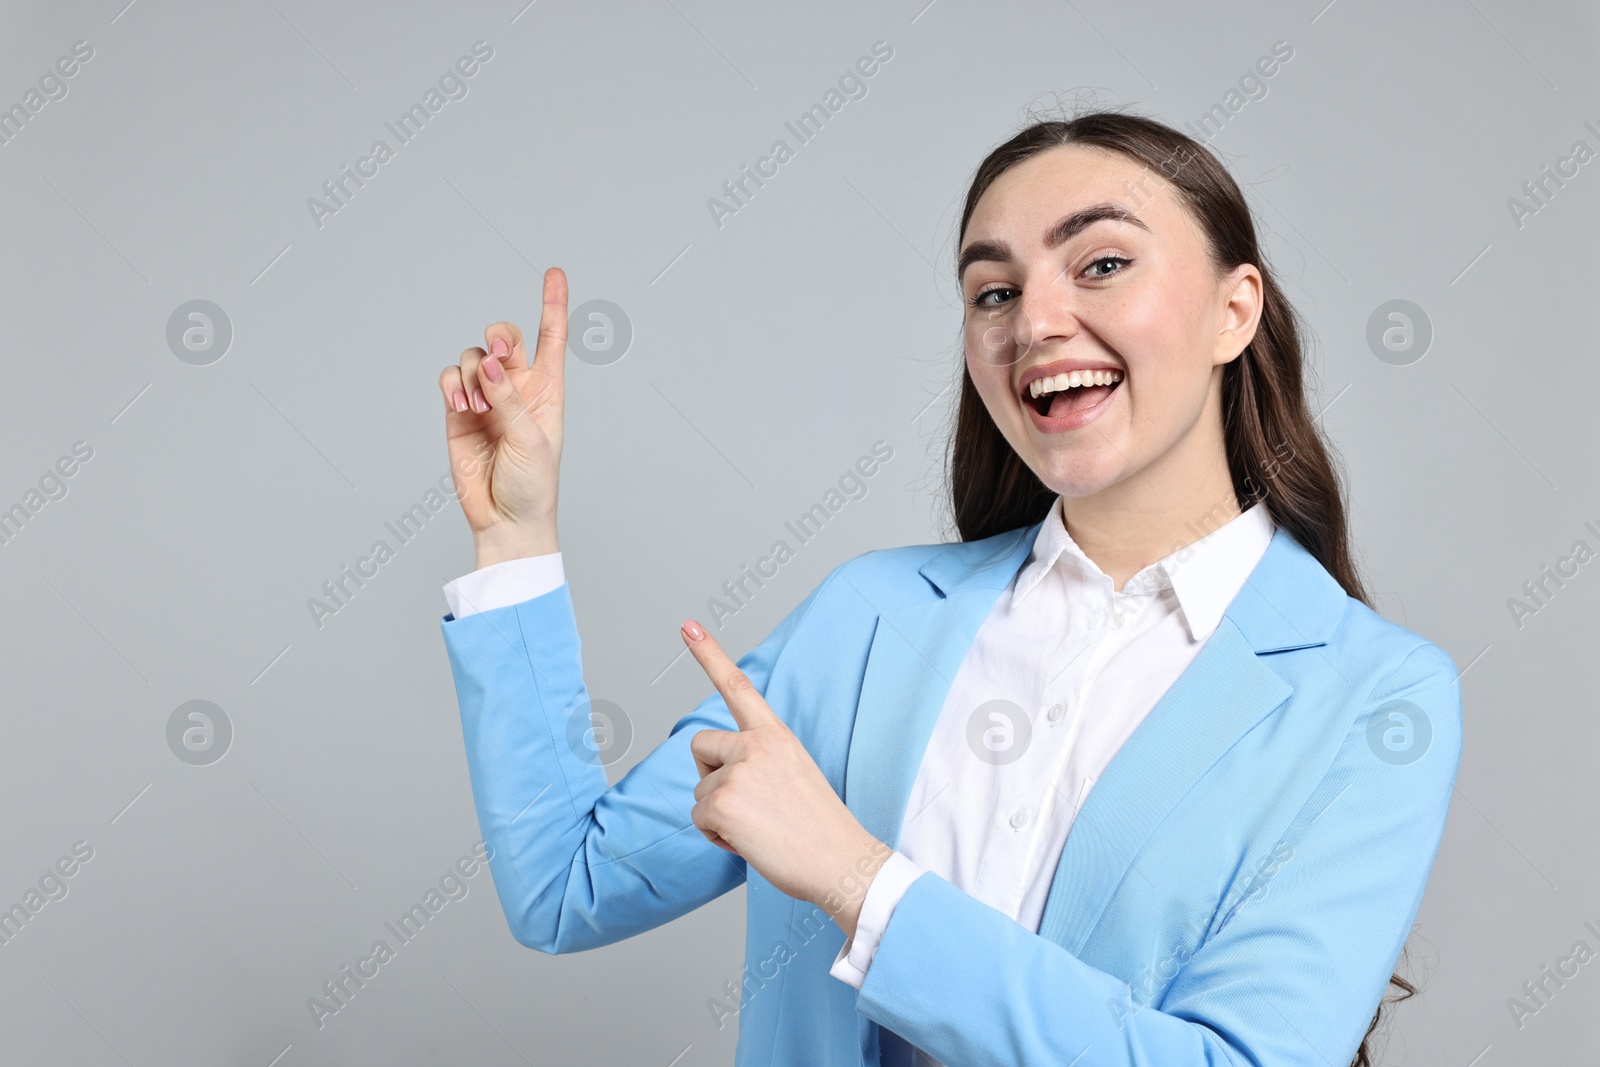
(1173, 502)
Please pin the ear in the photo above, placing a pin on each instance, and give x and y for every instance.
(1240, 293)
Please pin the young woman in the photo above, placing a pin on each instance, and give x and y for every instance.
(1151, 634)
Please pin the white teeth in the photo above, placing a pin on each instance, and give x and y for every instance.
(1072, 380)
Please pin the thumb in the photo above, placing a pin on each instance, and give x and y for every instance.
(748, 707)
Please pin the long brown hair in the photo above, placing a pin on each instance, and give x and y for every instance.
(1276, 451)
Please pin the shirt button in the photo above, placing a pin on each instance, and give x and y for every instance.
(1019, 818)
(1056, 711)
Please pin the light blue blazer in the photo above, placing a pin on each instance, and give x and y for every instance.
(1235, 890)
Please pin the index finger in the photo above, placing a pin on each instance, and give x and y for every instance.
(551, 351)
(745, 702)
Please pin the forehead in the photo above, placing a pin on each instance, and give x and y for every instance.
(1026, 200)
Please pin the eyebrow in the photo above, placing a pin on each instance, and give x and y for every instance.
(1063, 231)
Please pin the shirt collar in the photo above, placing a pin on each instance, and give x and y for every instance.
(1204, 575)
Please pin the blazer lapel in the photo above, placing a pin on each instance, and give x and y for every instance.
(1223, 692)
(1289, 601)
(916, 651)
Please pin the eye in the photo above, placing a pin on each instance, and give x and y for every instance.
(1089, 270)
(981, 295)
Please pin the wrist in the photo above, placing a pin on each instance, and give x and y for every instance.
(495, 545)
(855, 869)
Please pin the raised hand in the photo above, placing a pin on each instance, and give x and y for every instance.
(503, 425)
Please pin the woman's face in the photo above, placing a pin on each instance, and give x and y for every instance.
(1129, 295)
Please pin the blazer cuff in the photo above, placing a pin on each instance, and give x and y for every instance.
(883, 893)
(502, 584)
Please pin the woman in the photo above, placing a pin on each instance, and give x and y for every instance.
(1151, 634)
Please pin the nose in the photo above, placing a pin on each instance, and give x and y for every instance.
(1043, 314)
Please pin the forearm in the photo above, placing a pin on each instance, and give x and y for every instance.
(967, 984)
(578, 864)
(533, 790)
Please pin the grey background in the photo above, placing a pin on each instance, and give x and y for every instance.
(768, 355)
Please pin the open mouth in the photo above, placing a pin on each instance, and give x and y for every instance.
(1064, 394)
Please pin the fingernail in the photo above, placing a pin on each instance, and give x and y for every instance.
(459, 400)
(498, 348)
(479, 404)
(493, 371)
(692, 628)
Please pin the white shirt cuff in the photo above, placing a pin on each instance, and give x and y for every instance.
(888, 886)
(502, 584)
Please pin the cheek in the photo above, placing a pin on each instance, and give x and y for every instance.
(984, 380)
(986, 339)
(1157, 338)
(1142, 327)
(988, 378)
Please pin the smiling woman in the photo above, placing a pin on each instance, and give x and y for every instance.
(1176, 312)
(1131, 773)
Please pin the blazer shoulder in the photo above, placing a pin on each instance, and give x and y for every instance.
(910, 573)
(842, 610)
(895, 562)
(1401, 677)
(1384, 646)
(883, 577)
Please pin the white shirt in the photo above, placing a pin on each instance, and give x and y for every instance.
(1059, 675)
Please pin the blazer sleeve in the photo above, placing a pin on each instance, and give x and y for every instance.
(1290, 978)
(578, 864)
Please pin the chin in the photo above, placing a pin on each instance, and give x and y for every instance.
(1079, 476)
